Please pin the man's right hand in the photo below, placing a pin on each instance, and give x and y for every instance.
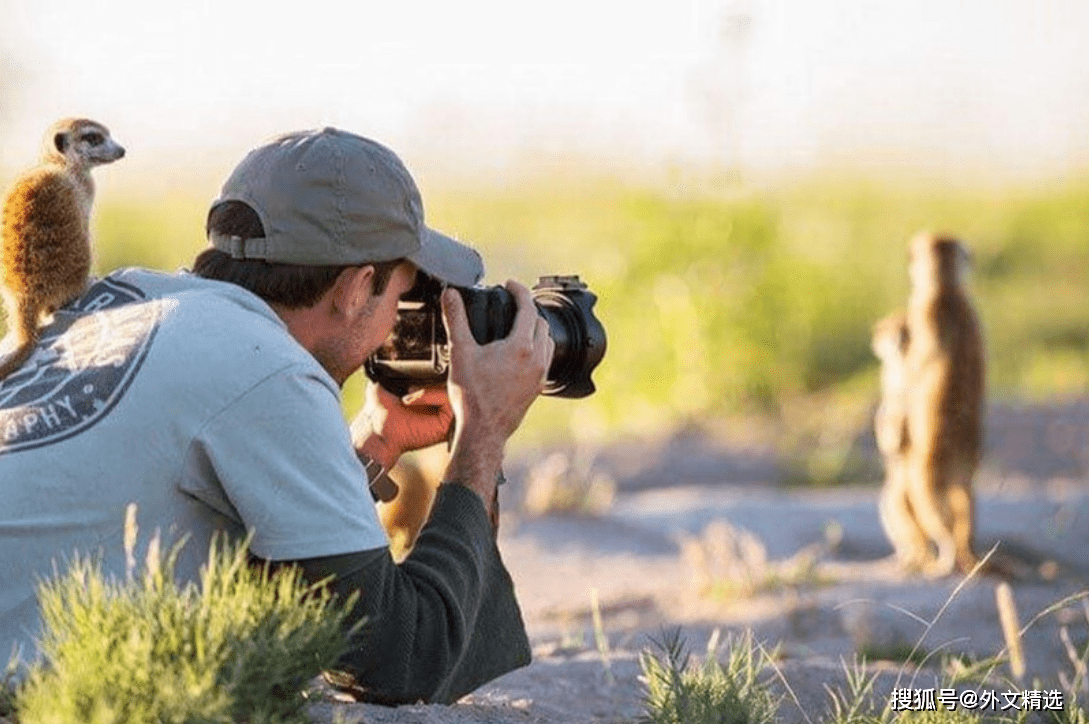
(491, 387)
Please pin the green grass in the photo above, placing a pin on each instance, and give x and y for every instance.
(727, 563)
(738, 690)
(725, 302)
(241, 647)
(718, 304)
(159, 232)
(678, 691)
(901, 652)
(8, 688)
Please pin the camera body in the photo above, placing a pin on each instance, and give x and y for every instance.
(418, 351)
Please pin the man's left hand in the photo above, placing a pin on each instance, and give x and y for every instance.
(389, 426)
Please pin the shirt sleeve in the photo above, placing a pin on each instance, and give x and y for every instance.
(439, 625)
(279, 460)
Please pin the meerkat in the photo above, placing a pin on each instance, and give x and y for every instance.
(890, 343)
(418, 478)
(945, 376)
(45, 257)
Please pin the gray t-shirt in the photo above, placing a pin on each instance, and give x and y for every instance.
(189, 398)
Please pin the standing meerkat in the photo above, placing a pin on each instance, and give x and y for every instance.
(945, 368)
(45, 259)
(890, 342)
(418, 478)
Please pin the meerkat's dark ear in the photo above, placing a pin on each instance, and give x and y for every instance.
(61, 142)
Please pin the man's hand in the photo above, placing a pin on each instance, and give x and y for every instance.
(389, 426)
(491, 387)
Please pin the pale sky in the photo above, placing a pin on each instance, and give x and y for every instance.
(470, 85)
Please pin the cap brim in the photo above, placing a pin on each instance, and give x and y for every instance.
(447, 259)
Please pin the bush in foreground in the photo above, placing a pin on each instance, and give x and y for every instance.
(675, 691)
(240, 647)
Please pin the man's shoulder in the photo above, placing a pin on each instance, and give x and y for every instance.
(139, 342)
(186, 285)
(212, 306)
(207, 323)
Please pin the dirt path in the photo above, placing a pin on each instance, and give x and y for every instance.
(634, 563)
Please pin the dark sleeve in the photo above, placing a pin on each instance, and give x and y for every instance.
(440, 624)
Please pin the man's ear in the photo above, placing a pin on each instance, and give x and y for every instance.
(353, 289)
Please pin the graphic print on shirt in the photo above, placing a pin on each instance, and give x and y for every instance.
(87, 357)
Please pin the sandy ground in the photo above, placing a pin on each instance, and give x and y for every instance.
(840, 593)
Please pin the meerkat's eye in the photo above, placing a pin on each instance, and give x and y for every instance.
(94, 138)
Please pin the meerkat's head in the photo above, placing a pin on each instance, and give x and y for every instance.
(80, 143)
(937, 262)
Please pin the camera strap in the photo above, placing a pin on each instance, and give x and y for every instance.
(381, 484)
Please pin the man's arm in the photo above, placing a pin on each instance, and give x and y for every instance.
(437, 626)
(446, 620)
(488, 392)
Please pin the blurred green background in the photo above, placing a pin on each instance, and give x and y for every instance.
(681, 158)
(727, 301)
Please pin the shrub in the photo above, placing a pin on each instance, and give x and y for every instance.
(679, 692)
(241, 647)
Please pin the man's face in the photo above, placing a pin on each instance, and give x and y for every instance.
(382, 309)
(371, 323)
(350, 322)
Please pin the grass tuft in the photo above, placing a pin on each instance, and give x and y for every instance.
(8, 691)
(241, 647)
(855, 706)
(569, 483)
(726, 563)
(678, 691)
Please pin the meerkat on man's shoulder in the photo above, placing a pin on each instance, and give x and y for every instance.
(45, 256)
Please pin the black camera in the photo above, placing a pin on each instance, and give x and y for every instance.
(418, 352)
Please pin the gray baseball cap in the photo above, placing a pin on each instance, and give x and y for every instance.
(331, 197)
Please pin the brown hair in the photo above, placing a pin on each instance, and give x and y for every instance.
(291, 285)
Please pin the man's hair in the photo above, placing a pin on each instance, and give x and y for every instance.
(291, 285)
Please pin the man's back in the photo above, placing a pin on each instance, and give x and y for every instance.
(135, 396)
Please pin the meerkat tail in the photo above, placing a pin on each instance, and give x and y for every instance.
(25, 331)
